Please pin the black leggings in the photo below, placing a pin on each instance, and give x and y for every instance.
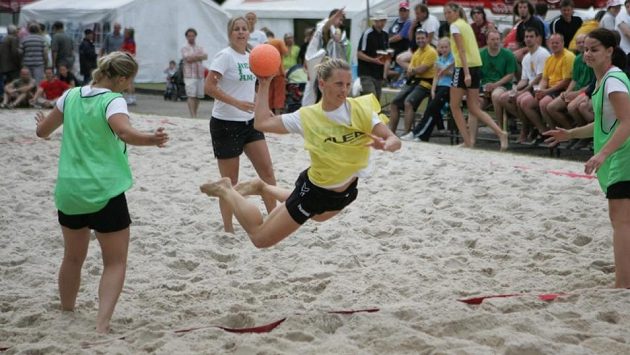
(433, 114)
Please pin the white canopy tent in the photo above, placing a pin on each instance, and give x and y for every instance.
(278, 15)
(159, 26)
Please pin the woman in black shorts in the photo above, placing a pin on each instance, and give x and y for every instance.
(467, 75)
(338, 133)
(232, 85)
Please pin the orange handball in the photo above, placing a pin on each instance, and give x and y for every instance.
(264, 60)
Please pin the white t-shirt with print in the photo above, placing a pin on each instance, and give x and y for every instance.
(118, 105)
(611, 85)
(534, 63)
(236, 81)
(341, 115)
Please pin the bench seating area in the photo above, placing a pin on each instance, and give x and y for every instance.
(485, 137)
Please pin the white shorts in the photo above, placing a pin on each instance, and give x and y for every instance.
(194, 87)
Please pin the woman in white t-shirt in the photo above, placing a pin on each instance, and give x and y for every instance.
(233, 86)
(611, 133)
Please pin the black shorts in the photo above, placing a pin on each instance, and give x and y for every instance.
(113, 217)
(618, 190)
(309, 199)
(230, 137)
(475, 78)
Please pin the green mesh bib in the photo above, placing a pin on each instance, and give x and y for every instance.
(93, 164)
(616, 167)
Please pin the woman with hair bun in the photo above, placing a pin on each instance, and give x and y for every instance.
(93, 176)
(611, 133)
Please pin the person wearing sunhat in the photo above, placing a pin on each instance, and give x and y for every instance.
(372, 65)
(612, 10)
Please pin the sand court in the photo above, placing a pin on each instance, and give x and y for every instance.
(432, 225)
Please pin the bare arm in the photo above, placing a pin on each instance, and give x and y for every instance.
(625, 29)
(49, 123)
(212, 88)
(384, 139)
(264, 120)
(120, 125)
(560, 86)
(366, 58)
(561, 135)
(504, 80)
(38, 93)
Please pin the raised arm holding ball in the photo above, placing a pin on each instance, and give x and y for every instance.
(338, 133)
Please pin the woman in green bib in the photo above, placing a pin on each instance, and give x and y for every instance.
(611, 133)
(338, 133)
(93, 176)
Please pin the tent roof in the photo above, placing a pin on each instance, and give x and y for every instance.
(295, 8)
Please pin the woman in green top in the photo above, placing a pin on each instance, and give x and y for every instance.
(611, 133)
(93, 175)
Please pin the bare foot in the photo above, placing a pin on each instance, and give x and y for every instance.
(251, 187)
(102, 328)
(215, 188)
(503, 138)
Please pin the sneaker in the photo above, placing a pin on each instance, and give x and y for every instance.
(417, 139)
(407, 137)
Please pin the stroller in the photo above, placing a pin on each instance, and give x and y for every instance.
(175, 87)
(296, 81)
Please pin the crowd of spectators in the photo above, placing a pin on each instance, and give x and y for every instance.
(49, 60)
(533, 77)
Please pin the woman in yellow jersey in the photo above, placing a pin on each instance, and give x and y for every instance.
(93, 176)
(338, 133)
(467, 75)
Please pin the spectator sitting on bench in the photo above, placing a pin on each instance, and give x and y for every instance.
(533, 65)
(556, 78)
(439, 94)
(49, 90)
(498, 66)
(582, 75)
(418, 87)
(19, 91)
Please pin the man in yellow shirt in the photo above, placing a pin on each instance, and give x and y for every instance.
(420, 75)
(556, 75)
(555, 78)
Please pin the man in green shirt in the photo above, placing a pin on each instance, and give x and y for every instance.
(497, 73)
(563, 110)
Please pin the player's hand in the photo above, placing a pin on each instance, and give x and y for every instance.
(556, 136)
(467, 80)
(245, 106)
(160, 137)
(593, 164)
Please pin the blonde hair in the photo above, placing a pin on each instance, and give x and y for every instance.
(457, 8)
(233, 20)
(114, 65)
(325, 69)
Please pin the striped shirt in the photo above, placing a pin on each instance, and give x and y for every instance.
(33, 47)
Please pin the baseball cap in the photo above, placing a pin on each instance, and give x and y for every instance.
(378, 15)
(612, 3)
(403, 5)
